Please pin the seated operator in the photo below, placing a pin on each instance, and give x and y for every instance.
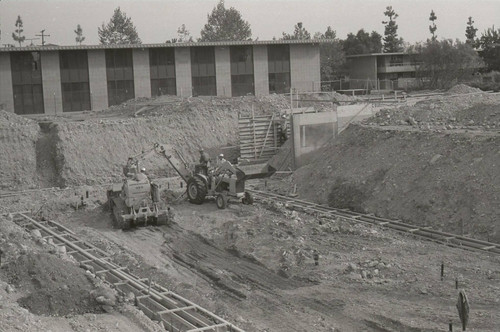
(142, 175)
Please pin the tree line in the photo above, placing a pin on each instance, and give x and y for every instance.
(226, 24)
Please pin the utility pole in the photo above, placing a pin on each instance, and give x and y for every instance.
(43, 35)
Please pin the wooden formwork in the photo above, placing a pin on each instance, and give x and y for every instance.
(261, 136)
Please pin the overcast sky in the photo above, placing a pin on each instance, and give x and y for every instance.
(158, 20)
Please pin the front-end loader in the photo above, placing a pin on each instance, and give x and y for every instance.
(136, 201)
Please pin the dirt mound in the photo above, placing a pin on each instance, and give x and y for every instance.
(448, 181)
(18, 137)
(444, 113)
(462, 89)
(54, 286)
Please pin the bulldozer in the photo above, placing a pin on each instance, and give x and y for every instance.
(223, 181)
(136, 201)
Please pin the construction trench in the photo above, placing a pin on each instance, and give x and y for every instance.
(376, 230)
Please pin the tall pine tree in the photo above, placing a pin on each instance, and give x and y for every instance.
(17, 35)
(433, 27)
(79, 35)
(392, 43)
(470, 32)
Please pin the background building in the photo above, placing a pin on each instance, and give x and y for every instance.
(381, 71)
(55, 79)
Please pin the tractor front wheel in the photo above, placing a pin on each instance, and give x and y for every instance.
(221, 201)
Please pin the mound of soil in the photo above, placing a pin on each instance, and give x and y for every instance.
(448, 181)
(54, 286)
(444, 112)
(462, 88)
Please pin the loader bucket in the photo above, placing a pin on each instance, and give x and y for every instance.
(256, 171)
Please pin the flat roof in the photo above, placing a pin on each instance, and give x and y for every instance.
(188, 44)
(376, 54)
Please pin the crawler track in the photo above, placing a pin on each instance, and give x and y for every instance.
(423, 232)
(177, 313)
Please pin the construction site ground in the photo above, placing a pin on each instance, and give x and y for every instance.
(253, 265)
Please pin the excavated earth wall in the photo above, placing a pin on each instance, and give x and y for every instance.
(91, 152)
(446, 180)
(18, 163)
(95, 151)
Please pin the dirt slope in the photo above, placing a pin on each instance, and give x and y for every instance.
(18, 138)
(447, 180)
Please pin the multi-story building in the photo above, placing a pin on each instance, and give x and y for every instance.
(56, 79)
(383, 70)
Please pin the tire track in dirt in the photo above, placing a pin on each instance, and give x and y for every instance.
(235, 274)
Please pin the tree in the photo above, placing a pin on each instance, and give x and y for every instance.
(119, 30)
(299, 33)
(489, 48)
(433, 27)
(183, 34)
(445, 62)
(225, 24)
(332, 57)
(17, 35)
(391, 41)
(470, 32)
(79, 35)
(362, 43)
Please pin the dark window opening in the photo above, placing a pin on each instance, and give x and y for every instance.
(74, 81)
(120, 76)
(27, 82)
(203, 71)
(278, 57)
(162, 70)
(242, 76)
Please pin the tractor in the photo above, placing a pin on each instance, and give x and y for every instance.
(223, 181)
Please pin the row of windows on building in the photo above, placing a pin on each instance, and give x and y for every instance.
(76, 95)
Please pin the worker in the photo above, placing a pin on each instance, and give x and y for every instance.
(142, 175)
(204, 158)
(220, 160)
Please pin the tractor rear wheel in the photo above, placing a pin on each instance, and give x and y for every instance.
(196, 190)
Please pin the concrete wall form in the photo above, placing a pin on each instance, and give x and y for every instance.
(97, 79)
(306, 119)
(6, 91)
(51, 81)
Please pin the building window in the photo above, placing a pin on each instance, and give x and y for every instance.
(203, 71)
(162, 70)
(278, 58)
(242, 79)
(27, 82)
(74, 81)
(120, 76)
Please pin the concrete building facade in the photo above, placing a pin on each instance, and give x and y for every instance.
(56, 79)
